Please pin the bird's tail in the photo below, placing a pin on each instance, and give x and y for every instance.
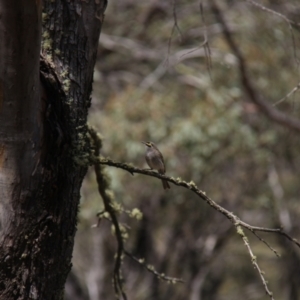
(165, 184)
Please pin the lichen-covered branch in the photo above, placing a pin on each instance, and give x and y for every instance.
(192, 186)
(152, 270)
(254, 261)
(103, 185)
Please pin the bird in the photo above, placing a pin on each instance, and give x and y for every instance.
(155, 161)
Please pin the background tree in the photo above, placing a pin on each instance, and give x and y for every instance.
(211, 131)
(43, 143)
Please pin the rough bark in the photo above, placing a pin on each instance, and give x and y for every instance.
(43, 142)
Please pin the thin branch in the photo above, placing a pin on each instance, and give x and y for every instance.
(270, 230)
(254, 261)
(102, 188)
(273, 12)
(285, 18)
(294, 90)
(267, 244)
(171, 61)
(137, 50)
(175, 26)
(281, 212)
(206, 45)
(151, 269)
(254, 96)
(192, 186)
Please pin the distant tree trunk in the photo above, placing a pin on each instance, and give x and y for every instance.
(43, 142)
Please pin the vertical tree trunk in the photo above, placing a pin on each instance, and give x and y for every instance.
(43, 143)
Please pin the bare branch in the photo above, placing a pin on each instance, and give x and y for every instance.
(175, 26)
(273, 12)
(254, 261)
(130, 46)
(171, 61)
(285, 18)
(281, 212)
(254, 96)
(294, 90)
(206, 44)
(151, 269)
(267, 244)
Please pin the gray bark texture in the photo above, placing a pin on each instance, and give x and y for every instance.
(46, 70)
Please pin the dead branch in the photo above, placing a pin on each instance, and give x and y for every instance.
(265, 107)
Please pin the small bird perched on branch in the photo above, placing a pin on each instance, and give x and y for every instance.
(155, 161)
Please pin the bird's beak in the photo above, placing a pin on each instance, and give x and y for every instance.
(145, 143)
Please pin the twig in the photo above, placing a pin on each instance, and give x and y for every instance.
(281, 212)
(270, 230)
(170, 61)
(294, 90)
(137, 50)
(267, 244)
(206, 45)
(254, 261)
(273, 12)
(151, 269)
(175, 26)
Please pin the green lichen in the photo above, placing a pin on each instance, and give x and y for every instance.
(45, 17)
(136, 213)
(66, 85)
(240, 230)
(46, 41)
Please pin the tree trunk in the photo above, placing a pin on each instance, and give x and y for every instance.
(43, 141)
